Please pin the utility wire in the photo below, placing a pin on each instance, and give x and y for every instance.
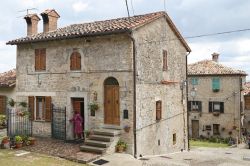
(165, 5)
(132, 6)
(127, 7)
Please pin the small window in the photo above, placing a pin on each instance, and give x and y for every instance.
(125, 114)
(174, 138)
(92, 112)
(75, 61)
(158, 110)
(165, 60)
(216, 107)
(195, 106)
(208, 127)
(216, 84)
(194, 81)
(40, 59)
(216, 129)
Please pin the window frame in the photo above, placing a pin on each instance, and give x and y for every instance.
(212, 104)
(40, 59)
(174, 139)
(164, 60)
(216, 84)
(75, 61)
(158, 110)
(217, 129)
(197, 103)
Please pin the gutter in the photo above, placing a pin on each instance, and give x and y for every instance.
(134, 95)
(187, 100)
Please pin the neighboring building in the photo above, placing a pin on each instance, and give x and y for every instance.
(215, 97)
(133, 68)
(7, 88)
(247, 106)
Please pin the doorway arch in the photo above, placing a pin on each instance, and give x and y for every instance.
(111, 101)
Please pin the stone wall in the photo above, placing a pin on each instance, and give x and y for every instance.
(156, 137)
(9, 93)
(229, 94)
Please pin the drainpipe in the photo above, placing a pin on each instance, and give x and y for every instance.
(134, 95)
(187, 100)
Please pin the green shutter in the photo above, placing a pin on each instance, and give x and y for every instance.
(216, 84)
(194, 81)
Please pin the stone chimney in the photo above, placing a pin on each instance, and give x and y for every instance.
(50, 17)
(32, 22)
(215, 57)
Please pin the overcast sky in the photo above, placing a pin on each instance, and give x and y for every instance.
(192, 17)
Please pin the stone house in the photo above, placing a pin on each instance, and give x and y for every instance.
(214, 99)
(7, 88)
(247, 106)
(133, 68)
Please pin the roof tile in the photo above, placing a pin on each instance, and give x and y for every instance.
(8, 79)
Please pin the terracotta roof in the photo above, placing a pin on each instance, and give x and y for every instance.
(113, 26)
(209, 67)
(246, 90)
(8, 79)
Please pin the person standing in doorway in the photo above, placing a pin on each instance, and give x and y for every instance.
(77, 122)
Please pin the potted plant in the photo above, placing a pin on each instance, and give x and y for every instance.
(5, 142)
(32, 140)
(121, 146)
(18, 141)
(23, 104)
(93, 106)
(126, 128)
(11, 102)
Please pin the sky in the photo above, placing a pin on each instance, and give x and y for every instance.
(192, 18)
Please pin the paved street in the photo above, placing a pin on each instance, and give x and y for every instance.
(196, 157)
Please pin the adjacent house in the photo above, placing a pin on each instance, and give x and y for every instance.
(247, 106)
(132, 69)
(7, 88)
(214, 99)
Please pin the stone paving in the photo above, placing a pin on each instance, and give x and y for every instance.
(59, 148)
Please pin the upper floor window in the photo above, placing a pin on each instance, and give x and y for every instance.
(194, 81)
(216, 107)
(165, 60)
(75, 61)
(216, 84)
(194, 106)
(158, 110)
(40, 59)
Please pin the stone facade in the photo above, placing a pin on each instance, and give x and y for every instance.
(112, 56)
(230, 94)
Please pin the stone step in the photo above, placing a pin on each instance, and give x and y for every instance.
(101, 138)
(86, 148)
(107, 132)
(96, 143)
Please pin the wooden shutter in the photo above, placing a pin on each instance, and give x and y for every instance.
(200, 106)
(210, 107)
(165, 60)
(78, 61)
(2, 104)
(37, 59)
(222, 107)
(158, 110)
(189, 105)
(43, 59)
(31, 105)
(48, 108)
(75, 61)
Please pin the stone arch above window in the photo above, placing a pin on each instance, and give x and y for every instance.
(75, 61)
(111, 81)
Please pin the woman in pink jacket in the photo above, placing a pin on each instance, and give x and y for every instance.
(77, 121)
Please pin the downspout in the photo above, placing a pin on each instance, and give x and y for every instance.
(134, 95)
(187, 99)
(240, 126)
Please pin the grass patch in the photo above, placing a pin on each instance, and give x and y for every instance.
(207, 144)
(7, 157)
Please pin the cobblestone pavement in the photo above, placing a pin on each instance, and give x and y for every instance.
(53, 147)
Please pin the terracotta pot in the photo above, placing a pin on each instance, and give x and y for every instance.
(5, 141)
(19, 145)
(120, 149)
(32, 142)
(126, 129)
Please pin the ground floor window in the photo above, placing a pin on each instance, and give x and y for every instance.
(40, 107)
(174, 138)
(216, 129)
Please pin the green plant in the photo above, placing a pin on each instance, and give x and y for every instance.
(11, 102)
(18, 139)
(23, 104)
(121, 143)
(93, 106)
(2, 120)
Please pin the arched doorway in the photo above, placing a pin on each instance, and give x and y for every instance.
(111, 101)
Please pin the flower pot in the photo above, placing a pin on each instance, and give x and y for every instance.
(120, 149)
(19, 145)
(32, 142)
(126, 129)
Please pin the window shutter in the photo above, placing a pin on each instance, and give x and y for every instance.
(43, 59)
(165, 59)
(48, 108)
(31, 100)
(222, 107)
(37, 59)
(216, 83)
(210, 107)
(189, 105)
(200, 106)
(158, 110)
(78, 61)
(2, 104)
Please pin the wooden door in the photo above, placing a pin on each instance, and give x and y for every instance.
(195, 129)
(111, 105)
(2, 104)
(78, 106)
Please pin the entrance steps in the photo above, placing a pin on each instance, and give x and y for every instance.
(101, 141)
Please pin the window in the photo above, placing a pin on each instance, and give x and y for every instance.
(195, 106)
(247, 102)
(158, 109)
(2, 104)
(75, 61)
(208, 127)
(216, 84)
(216, 129)
(194, 81)
(40, 59)
(174, 138)
(216, 107)
(40, 107)
(165, 60)
(125, 114)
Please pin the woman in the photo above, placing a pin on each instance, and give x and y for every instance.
(77, 121)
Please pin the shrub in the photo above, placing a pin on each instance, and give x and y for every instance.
(18, 139)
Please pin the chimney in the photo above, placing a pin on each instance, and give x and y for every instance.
(32, 21)
(215, 57)
(50, 17)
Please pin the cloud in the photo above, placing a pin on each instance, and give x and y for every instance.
(80, 6)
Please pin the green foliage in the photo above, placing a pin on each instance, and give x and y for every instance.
(2, 120)
(18, 139)
(93, 106)
(23, 104)
(121, 143)
(11, 102)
